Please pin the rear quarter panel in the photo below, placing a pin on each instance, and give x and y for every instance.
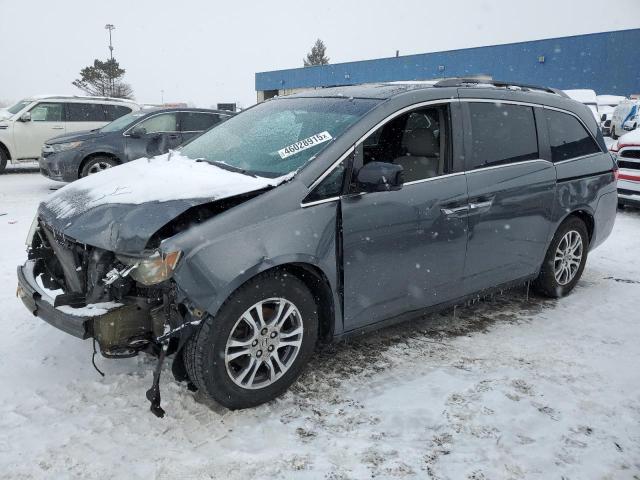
(587, 184)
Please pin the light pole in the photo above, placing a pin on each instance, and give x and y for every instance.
(162, 97)
(110, 27)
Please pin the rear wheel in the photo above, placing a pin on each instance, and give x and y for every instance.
(565, 259)
(97, 165)
(613, 133)
(257, 344)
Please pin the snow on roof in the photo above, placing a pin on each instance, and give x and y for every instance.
(167, 177)
(612, 100)
(583, 95)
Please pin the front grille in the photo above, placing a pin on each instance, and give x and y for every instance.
(629, 165)
(630, 154)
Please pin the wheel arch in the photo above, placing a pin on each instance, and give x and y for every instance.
(314, 278)
(6, 150)
(587, 217)
(318, 284)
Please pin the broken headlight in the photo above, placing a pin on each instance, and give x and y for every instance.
(32, 231)
(152, 269)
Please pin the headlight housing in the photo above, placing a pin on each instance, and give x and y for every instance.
(61, 147)
(153, 269)
(32, 231)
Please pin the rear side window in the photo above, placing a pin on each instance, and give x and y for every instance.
(502, 133)
(85, 112)
(567, 137)
(198, 122)
(47, 112)
(164, 122)
(115, 111)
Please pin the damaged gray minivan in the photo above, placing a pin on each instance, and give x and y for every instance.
(319, 215)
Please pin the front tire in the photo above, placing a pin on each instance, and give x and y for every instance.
(565, 259)
(97, 165)
(257, 344)
(3, 160)
(613, 133)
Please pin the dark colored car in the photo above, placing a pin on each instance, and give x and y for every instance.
(319, 215)
(145, 133)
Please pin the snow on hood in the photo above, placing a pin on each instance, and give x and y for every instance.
(161, 179)
(631, 138)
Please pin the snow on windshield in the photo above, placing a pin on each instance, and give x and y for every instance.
(167, 177)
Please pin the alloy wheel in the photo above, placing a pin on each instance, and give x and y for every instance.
(98, 167)
(264, 343)
(568, 257)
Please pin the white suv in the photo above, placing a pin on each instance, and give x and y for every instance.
(25, 126)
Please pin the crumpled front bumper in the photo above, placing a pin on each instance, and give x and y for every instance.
(40, 304)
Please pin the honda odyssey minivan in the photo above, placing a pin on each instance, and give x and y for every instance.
(320, 215)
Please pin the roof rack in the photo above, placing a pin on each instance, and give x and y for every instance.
(81, 97)
(465, 82)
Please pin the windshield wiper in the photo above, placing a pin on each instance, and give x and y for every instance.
(225, 166)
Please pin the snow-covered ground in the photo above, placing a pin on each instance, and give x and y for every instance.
(512, 387)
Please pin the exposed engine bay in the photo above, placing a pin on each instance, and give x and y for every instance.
(89, 275)
(140, 309)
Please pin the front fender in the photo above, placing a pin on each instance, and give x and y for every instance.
(268, 231)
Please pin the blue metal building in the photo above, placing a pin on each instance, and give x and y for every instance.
(607, 62)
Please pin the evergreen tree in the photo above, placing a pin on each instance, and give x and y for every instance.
(317, 55)
(104, 79)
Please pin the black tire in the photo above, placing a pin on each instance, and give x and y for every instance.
(613, 133)
(546, 283)
(204, 353)
(92, 165)
(3, 160)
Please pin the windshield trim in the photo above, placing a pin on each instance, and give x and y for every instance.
(134, 117)
(25, 102)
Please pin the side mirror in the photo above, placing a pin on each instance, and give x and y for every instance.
(25, 117)
(380, 177)
(138, 132)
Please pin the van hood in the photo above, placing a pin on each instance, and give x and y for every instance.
(121, 208)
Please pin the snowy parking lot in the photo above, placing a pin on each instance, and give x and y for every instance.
(514, 386)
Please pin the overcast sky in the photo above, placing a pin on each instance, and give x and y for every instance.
(205, 52)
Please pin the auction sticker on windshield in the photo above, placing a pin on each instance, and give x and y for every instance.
(301, 145)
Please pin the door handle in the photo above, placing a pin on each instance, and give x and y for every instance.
(479, 205)
(57, 127)
(453, 211)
